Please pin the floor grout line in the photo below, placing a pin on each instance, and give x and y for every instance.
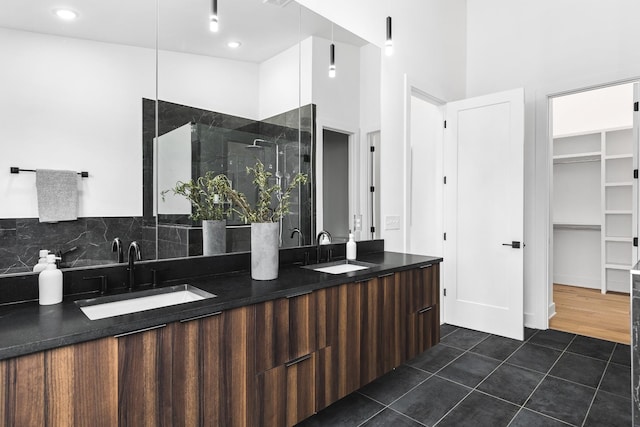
(519, 408)
(593, 399)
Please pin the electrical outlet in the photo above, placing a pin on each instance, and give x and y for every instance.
(357, 222)
(392, 222)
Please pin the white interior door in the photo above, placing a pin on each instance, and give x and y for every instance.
(484, 218)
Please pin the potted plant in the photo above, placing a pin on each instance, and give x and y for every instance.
(206, 195)
(271, 205)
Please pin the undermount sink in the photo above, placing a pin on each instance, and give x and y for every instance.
(339, 267)
(117, 305)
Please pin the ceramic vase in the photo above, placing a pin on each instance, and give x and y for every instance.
(214, 237)
(264, 250)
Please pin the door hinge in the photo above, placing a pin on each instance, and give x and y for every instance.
(373, 229)
(372, 148)
(372, 189)
(635, 106)
(445, 179)
(635, 241)
(445, 292)
(445, 124)
(445, 236)
(635, 173)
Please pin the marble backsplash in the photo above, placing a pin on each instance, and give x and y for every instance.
(86, 241)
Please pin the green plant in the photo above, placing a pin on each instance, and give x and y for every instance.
(206, 194)
(272, 203)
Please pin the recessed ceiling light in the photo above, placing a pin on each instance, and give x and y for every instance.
(234, 45)
(66, 14)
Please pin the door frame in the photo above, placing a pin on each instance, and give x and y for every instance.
(355, 172)
(543, 237)
(411, 89)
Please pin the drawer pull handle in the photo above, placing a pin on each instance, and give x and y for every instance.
(298, 360)
(385, 275)
(424, 310)
(204, 316)
(299, 295)
(426, 266)
(140, 330)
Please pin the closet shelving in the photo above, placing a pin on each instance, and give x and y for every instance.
(593, 213)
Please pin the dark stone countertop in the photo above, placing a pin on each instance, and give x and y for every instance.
(28, 327)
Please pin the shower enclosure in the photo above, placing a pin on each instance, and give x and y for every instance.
(228, 145)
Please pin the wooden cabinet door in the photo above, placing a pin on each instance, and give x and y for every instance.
(285, 330)
(144, 378)
(394, 323)
(72, 385)
(214, 370)
(350, 338)
(372, 345)
(287, 393)
(238, 355)
(81, 383)
(23, 389)
(424, 309)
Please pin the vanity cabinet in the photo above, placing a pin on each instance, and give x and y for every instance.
(273, 363)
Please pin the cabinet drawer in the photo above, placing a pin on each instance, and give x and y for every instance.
(285, 330)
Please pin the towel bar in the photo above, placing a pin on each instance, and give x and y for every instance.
(83, 174)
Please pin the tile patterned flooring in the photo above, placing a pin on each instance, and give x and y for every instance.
(476, 379)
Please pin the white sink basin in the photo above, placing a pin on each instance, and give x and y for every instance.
(117, 305)
(339, 267)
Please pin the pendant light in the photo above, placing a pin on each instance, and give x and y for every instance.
(388, 44)
(213, 19)
(332, 56)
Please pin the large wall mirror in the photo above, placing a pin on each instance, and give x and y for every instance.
(81, 95)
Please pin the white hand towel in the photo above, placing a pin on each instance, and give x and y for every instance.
(57, 195)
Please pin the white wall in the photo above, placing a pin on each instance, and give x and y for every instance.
(279, 83)
(77, 104)
(209, 83)
(547, 47)
(73, 104)
(429, 49)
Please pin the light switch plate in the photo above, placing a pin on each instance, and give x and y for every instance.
(392, 222)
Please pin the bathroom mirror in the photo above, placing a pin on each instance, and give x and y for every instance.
(74, 96)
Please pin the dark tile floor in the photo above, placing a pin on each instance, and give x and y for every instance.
(475, 379)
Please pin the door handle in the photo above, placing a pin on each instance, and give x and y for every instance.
(513, 244)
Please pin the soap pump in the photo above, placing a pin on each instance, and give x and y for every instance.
(42, 262)
(351, 247)
(50, 283)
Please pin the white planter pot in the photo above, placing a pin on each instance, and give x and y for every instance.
(264, 250)
(214, 237)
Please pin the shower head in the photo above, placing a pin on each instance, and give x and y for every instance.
(255, 145)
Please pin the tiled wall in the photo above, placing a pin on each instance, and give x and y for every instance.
(86, 241)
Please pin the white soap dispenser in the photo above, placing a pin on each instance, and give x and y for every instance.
(351, 247)
(50, 283)
(42, 262)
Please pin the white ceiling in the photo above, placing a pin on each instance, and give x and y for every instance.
(264, 28)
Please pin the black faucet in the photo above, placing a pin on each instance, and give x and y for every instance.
(132, 254)
(326, 234)
(300, 235)
(116, 246)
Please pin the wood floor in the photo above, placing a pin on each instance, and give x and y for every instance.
(588, 312)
